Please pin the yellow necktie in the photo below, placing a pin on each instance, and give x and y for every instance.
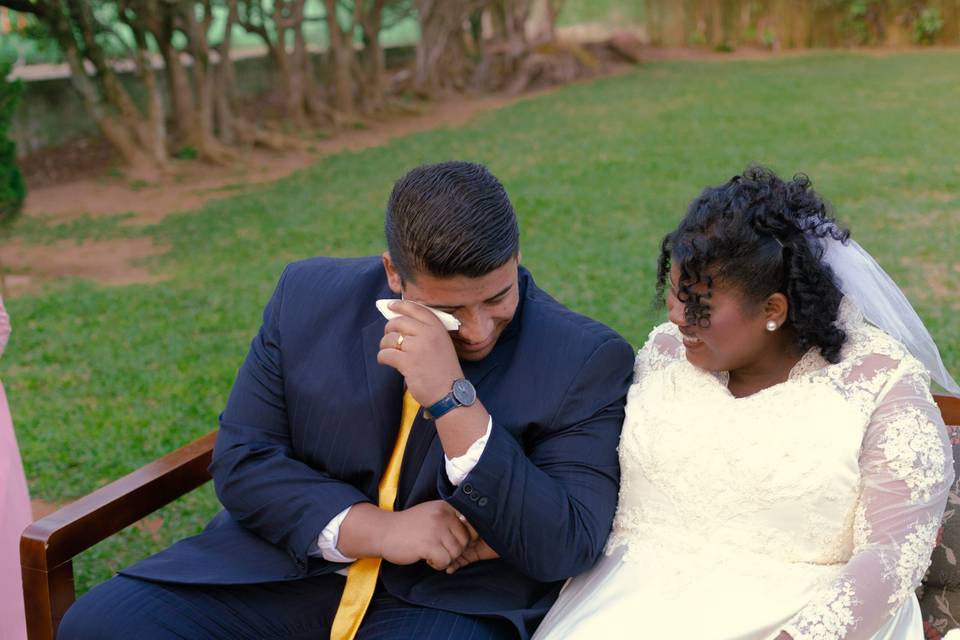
(362, 575)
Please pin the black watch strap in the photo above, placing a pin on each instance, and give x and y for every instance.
(462, 394)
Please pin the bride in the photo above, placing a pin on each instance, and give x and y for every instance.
(784, 467)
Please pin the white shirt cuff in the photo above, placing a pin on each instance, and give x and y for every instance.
(460, 467)
(327, 542)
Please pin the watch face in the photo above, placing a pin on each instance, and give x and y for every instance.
(464, 393)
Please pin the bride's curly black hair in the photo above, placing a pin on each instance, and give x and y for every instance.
(761, 235)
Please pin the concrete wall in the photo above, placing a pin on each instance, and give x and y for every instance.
(51, 112)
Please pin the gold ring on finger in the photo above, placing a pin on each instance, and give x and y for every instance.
(399, 342)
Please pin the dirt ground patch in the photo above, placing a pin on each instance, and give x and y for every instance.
(43, 508)
(110, 262)
(192, 183)
(658, 54)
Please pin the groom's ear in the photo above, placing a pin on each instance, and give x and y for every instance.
(776, 308)
(394, 281)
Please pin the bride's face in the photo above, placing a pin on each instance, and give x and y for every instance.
(735, 337)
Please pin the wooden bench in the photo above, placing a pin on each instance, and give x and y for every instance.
(48, 546)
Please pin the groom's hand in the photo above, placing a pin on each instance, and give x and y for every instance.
(430, 531)
(476, 551)
(426, 357)
(428, 362)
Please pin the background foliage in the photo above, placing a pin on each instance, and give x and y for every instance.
(13, 190)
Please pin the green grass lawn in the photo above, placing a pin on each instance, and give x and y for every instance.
(102, 380)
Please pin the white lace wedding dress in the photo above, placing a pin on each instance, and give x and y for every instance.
(811, 506)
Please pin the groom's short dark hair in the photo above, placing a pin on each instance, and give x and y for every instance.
(450, 219)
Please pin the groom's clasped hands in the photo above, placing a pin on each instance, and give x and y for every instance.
(435, 533)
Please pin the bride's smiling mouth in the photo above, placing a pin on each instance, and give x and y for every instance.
(689, 340)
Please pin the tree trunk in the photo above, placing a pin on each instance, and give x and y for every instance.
(516, 13)
(375, 71)
(950, 10)
(201, 129)
(224, 78)
(295, 83)
(114, 129)
(712, 22)
(654, 13)
(729, 24)
(178, 83)
(374, 60)
(291, 78)
(505, 51)
(154, 127)
(691, 21)
(551, 13)
(442, 59)
(342, 54)
(160, 23)
(140, 139)
(301, 61)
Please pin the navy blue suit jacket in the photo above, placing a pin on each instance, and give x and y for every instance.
(312, 420)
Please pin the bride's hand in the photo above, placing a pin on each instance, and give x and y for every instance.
(475, 551)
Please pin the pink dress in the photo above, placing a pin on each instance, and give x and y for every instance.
(14, 514)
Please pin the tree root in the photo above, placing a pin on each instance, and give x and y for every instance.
(250, 134)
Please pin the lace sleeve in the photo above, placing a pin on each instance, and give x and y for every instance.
(906, 467)
(662, 347)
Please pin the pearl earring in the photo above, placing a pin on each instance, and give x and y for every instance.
(771, 325)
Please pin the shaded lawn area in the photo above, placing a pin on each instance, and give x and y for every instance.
(102, 380)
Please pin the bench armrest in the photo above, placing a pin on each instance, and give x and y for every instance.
(48, 546)
(949, 408)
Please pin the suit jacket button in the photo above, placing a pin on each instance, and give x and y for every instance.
(474, 497)
(468, 488)
(482, 502)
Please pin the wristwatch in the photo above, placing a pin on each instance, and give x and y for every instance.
(461, 395)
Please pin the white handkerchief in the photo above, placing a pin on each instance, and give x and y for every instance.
(449, 322)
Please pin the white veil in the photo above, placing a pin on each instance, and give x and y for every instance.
(867, 285)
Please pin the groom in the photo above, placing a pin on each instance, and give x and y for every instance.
(470, 471)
